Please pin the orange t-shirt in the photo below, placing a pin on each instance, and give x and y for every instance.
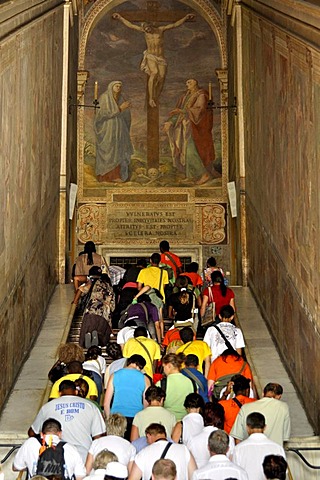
(225, 366)
(194, 277)
(231, 410)
(170, 336)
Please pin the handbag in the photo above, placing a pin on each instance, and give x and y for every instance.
(58, 370)
(210, 313)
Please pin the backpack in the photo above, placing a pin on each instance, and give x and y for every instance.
(170, 271)
(51, 462)
(125, 316)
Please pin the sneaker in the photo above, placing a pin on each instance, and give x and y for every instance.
(87, 340)
(94, 339)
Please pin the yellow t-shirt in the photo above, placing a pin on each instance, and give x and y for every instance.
(151, 276)
(93, 391)
(132, 347)
(196, 347)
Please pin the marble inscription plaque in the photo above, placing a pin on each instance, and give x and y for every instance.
(138, 225)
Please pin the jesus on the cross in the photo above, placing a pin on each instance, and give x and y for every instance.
(153, 62)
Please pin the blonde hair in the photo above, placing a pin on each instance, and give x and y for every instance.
(116, 424)
(103, 458)
(175, 359)
(69, 352)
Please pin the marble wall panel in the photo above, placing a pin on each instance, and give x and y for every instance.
(30, 132)
(282, 134)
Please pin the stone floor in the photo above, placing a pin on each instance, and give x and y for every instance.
(31, 388)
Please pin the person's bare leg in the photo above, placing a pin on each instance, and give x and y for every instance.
(78, 280)
(153, 68)
(77, 297)
(162, 70)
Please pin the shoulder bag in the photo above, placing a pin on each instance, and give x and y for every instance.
(210, 313)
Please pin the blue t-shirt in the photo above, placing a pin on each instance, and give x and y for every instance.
(129, 385)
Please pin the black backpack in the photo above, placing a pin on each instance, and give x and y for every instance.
(51, 462)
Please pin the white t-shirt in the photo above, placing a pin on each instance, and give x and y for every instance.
(98, 365)
(118, 445)
(125, 334)
(179, 454)
(198, 446)
(216, 342)
(80, 420)
(28, 454)
(192, 426)
(249, 454)
(220, 467)
(114, 367)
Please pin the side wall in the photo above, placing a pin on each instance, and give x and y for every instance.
(30, 131)
(281, 81)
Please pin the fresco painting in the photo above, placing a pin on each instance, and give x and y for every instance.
(153, 127)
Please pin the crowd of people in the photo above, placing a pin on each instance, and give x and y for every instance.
(169, 405)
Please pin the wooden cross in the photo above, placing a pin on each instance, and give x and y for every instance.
(153, 14)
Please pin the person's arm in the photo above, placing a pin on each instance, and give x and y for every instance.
(31, 432)
(210, 386)
(198, 301)
(207, 364)
(176, 432)
(158, 331)
(89, 463)
(108, 397)
(190, 16)
(142, 289)
(232, 303)
(129, 466)
(204, 305)
(171, 312)
(161, 323)
(147, 385)
(99, 436)
(136, 473)
(134, 433)
(117, 16)
(14, 469)
(192, 466)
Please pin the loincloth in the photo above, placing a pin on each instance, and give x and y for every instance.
(149, 56)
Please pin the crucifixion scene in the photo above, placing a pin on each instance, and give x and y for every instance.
(152, 70)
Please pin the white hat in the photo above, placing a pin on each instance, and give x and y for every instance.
(117, 469)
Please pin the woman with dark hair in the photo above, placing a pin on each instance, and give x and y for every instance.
(87, 259)
(213, 417)
(183, 304)
(96, 364)
(192, 423)
(176, 385)
(223, 368)
(218, 293)
(210, 268)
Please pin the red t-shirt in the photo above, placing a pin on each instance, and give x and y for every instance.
(167, 260)
(219, 300)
